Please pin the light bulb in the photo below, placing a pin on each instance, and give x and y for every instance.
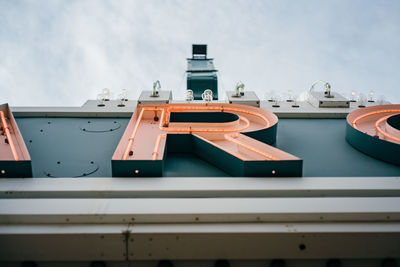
(289, 96)
(362, 100)
(270, 96)
(371, 96)
(124, 94)
(276, 101)
(106, 94)
(328, 90)
(239, 89)
(100, 100)
(189, 95)
(121, 100)
(294, 103)
(156, 88)
(327, 86)
(381, 100)
(207, 95)
(353, 96)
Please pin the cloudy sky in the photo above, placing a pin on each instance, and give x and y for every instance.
(64, 52)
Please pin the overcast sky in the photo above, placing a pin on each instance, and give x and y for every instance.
(64, 52)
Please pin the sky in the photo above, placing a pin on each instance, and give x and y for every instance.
(62, 53)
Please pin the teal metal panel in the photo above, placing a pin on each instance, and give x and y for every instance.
(217, 157)
(281, 168)
(190, 165)
(179, 143)
(200, 83)
(15, 169)
(137, 168)
(320, 143)
(71, 147)
(267, 136)
(373, 146)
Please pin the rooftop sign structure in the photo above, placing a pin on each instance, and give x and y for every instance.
(201, 73)
(330, 202)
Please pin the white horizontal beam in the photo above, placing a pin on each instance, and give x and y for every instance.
(71, 242)
(277, 228)
(209, 187)
(264, 241)
(199, 210)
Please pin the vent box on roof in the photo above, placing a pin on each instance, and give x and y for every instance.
(201, 73)
(199, 50)
(320, 100)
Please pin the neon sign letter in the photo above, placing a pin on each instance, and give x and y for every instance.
(234, 138)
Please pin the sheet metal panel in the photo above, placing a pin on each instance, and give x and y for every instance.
(199, 210)
(199, 241)
(71, 147)
(325, 152)
(189, 187)
(305, 138)
(48, 242)
(211, 263)
(264, 241)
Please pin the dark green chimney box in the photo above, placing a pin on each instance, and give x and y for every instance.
(201, 73)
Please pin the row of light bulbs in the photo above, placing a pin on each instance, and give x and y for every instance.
(270, 96)
(207, 95)
(362, 98)
(353, 96)
(106, 95)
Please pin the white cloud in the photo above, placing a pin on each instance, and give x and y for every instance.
(64, 52)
